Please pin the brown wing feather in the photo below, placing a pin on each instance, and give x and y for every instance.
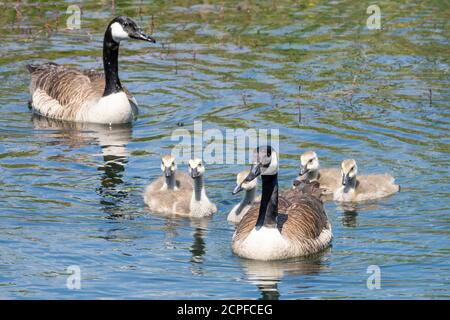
(306, 219)
(247, 223)
(66, 85)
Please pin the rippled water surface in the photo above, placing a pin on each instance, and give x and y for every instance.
(72, 195)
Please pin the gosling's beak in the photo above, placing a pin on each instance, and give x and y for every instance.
(237, 189)
(344, 179)
(140, 35)
(255, 171)
(303, 170)
(167, 172)
(194, 173)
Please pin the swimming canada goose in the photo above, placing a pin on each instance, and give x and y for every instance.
(282, 228)
(199, 204)
(70, 94)
(329, 179)
(242, 207)
(169, 193)
(363, 187)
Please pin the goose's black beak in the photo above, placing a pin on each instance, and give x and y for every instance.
(140, 35)
(255, 171)
(167, 172)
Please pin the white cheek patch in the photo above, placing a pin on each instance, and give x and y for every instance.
(117, 32)
(273, 167)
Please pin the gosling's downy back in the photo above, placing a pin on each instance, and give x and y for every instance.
(362, 188)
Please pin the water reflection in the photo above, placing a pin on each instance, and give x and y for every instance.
(199, 228)
(198, 247)
(350, 211)
(112, 141)
(267, 274)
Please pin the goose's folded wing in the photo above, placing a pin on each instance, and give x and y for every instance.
(247, 223)
(306, 219)
(69, 87)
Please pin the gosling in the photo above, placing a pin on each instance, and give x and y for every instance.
(199, 204)
(329, 179)
(242, 207)
(363, 188)
(165, 194)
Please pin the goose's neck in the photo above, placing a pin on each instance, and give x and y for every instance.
(199, 189)
(170, 182)
(268, 209)
(110, 64)
(248, 199)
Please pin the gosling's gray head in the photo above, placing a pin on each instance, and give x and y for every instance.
(308, 162)
(349, 171)
(241, 184)
(168, 165)
(196, 168)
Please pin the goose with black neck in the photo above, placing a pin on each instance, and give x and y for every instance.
(278, 228)
(69, 94)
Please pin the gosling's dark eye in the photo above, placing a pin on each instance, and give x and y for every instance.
(310, 161)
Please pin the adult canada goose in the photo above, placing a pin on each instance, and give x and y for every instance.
(298, 226)
(199, 204)
(242, 207)
(363, 187)
(169, 193)
(69, 94)
(329, 179)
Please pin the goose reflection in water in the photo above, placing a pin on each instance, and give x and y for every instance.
(198, 248)
(350, 211)
(199, 228)
(267, 274)
(112, 141)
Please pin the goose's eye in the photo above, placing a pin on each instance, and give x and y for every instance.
(200, 164)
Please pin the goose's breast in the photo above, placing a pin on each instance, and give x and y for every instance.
(262, 244)
(112, 109)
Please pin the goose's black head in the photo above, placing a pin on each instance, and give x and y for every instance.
(265, 162)
(123, 28)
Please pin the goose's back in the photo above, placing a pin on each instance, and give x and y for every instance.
(330, 180)
(170, 201)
